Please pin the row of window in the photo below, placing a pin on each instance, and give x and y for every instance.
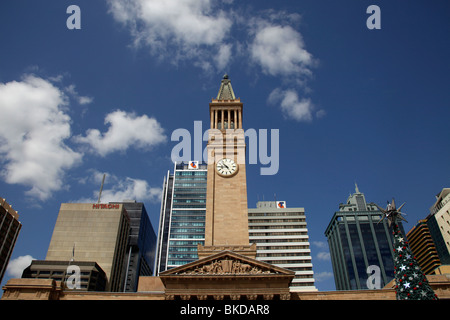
(289, 261)
(298, 254)
(188, 212)
(296, 233)
(186, 184)
(191, 173)
(183, 256)
(186, 242)
(190, 196)
(189, 200)
(284, 226)
(179, 219)
(184, 249)
(275, 214)
(191, 178)
(188, 236)
(201, 189)
(282, 247)
(277, 240)
(188, 205)
(188, 230)
(176, 225)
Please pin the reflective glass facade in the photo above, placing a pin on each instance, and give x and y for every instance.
(357, 241)
(182, 220)
(140, 253)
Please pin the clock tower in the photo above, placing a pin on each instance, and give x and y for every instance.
(226, 223)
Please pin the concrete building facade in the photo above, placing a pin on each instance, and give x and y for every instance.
(92, 232)
(281, 238)
(9, 231)
(439, 224)
(422, 245)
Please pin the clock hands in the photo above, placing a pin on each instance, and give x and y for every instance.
(226, 166)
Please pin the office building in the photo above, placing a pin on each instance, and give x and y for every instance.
(92, 232)
(422, 245)
(439, 224)
(140, 252)
(9, 231)
(357, 241)
(281, 238)
(182, 218)
(91, 276)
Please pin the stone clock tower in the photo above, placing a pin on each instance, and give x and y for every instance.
(226, 225)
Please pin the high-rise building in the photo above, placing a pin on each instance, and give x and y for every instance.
(182, 218)
(9, 231)
(93, 232)
(422, 245)
(140, 252)
(357, 241)
(439, 224)
(281, 238)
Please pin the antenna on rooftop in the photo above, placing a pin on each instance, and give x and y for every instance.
(101, 188)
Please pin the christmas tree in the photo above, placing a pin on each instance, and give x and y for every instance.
(411, 282)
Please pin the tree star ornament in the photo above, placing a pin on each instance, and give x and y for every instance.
(411, 276)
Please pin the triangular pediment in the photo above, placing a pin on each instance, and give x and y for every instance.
(227, 263)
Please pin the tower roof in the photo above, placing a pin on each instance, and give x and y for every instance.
(226, 90)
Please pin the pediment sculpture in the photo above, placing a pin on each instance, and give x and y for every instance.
(226, 265)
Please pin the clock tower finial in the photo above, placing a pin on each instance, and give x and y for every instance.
(226, 90)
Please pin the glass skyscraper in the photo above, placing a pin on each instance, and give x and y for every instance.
(140, 252)
(357, 241)
(182, 219)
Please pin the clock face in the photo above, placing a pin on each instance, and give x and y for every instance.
(226, 167)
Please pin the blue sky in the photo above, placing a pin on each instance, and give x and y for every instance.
(351, 104)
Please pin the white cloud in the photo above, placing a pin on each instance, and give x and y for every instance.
(279, 50)
(201, 32)
(122, 189)
(323, 256)
(323, 276)
(80, 99)
(17, 265)
(32, 135)
(125, 130)
(134, 189)
(291, 105)
(223, 57)
(189, 29)
(320, 244)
